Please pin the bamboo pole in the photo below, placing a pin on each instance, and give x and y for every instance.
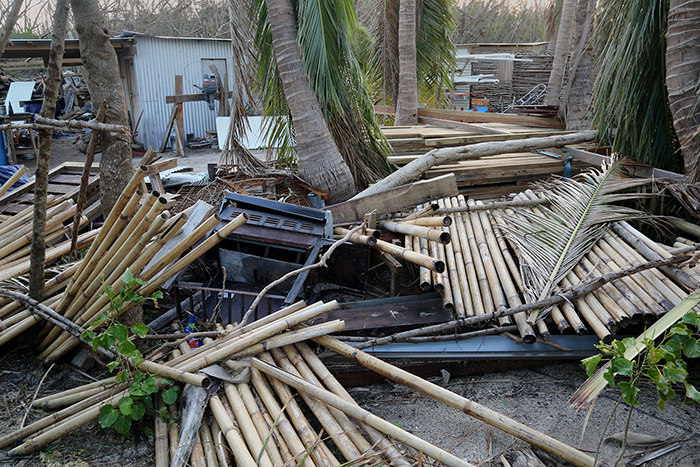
(628, 312)
(312, 441)
(482, 281)
(438, 284)
(24, 216)
(434, 235)
(208, 444)
(383, 443)
(410, 256)
(440, 394)
(503, 276)
(444, 221)
(361, 414)
(290, 435)
(452, 274)
(222, 453)
(469, 266)
(260, 424)
(459, 280)
(347, 426)
(603, 300)
(12, 180)
(60, 400)
(426, 275)
(246, 426)
(232, 435)
(426, 210)
(356, 238)
(161, 440)
(330, 424)
(601, 326)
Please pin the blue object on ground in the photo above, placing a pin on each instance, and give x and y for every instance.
(3, 155)
(482, 109)
(7, 171)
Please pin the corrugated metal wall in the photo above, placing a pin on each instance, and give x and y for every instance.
(156, 62)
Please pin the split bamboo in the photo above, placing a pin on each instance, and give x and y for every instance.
(434, 235)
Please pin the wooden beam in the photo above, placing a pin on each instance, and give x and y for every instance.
(168, 129)
(160, 166)
(397, 199)
(481, 129)
(637, 170)
(462, 140)
(179, 121)
(192, 97)
(480, 117)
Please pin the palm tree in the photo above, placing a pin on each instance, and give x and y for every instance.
(323, 56)
(683, 79)
(407, 99)
(561, 52)
(435, 51)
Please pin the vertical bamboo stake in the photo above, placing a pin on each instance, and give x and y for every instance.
(482, 281)
(208, 444)
(461, 260)
(161, 441)
(472, 277)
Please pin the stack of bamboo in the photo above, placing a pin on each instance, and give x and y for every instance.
(136, 230)
(259, 417)
(482, 274)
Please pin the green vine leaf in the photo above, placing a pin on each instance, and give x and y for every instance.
(108, 415)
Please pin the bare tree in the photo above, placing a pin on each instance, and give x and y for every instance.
(48, 108)
(10, 24)
(103, 80)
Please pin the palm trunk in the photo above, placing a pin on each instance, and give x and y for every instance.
(683, 78)
(556, 77)
(320, 162)
(10, 24)
(103, 80)
(48, 108)
(407, 101)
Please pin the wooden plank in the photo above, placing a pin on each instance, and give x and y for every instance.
(464, 140)
(70, 179)
(57, 189)
(480, 129)
(397, 199)
(168, 129)
(163, 165)
(192, 97)
(179, 121)
(480, 117)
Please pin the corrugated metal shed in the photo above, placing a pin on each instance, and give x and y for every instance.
(149, 76)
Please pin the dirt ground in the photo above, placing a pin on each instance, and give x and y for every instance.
(535, 396)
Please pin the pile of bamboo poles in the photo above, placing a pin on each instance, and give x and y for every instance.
(481, 271)
(257, 417)
(135, 231)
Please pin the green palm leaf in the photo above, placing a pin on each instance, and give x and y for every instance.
(551, 241)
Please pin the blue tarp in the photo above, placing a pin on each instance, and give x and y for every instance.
(7, 171)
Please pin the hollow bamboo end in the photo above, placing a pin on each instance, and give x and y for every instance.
(445, 238)
(425, 286)
(143, 168)
(529, 338)
(439, 266)
(371, 241)
(447, 221)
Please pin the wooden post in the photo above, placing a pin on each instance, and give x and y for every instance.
(179, 121)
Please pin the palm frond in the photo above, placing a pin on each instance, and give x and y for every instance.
(594, 385)
(552, 240)
(630, 96)
(435, 51)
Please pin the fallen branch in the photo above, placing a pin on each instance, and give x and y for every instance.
(418, 167)
(72, 124)
(582, 289)
(34, 126)
(321, 262)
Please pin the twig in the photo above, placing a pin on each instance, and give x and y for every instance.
(322, 262)
(36, 393)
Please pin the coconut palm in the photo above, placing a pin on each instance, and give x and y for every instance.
(308, 75)
(683, 79)
(407, 99)
(561, 52)
(435, 50)
(630, 94)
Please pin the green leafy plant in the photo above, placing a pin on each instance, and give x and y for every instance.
(662, 364)
(114, 334)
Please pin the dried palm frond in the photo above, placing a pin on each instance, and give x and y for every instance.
(594, 385)
(553, 240)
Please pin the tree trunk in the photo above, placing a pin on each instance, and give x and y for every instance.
(10, 24)
(320, 162)
(48, 108)
(103, 80)
(683, 79)
(578, 94)
(562, 52)
(407, 101)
